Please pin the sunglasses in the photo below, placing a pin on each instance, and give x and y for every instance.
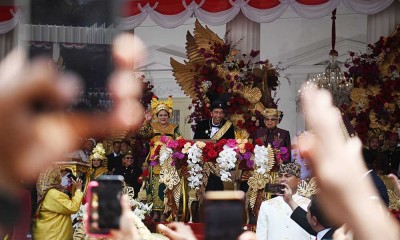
(271, 119)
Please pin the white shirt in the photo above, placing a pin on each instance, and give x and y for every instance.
(274, 222)
(320, 234)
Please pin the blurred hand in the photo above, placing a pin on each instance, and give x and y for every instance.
(127, 229)
(339, 168)
(287, 193)
(177, 231)
(35, 128)
(77, 184)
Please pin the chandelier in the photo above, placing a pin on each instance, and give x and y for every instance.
(332, 78)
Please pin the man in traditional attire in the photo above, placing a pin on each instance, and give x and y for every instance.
(271, 134)
(274, 216)
(215, 128)
(114, 158)
(130, 171)
(392, 154)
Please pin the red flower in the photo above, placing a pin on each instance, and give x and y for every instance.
(249, 147)
(212, 154)
(259, 142)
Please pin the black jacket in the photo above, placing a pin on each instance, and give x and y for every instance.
(203, 130)
(114, 162)
(299, 215)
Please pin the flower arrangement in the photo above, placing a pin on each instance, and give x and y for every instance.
(375, 98)
(226, 72)
(147, 92)
(225, 153)
(281, 154)
(140, 209)
(195, 169)
(227, 159)
(216, 69)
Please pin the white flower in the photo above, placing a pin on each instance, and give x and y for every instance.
(261, 158)
(226, 161)
(141, 209)
(165, 154)
(194, 159)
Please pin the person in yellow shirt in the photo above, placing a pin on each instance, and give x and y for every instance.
(53, 216)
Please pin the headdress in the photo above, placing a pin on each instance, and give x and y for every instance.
(291, 168)
(48, 179)
(99, 153)
(217, 104)
(271, 112)
(157, 105)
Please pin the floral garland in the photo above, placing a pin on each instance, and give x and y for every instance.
(194, 159)
(375, 106)
(227, 159)
(261, 158)
(225, 154)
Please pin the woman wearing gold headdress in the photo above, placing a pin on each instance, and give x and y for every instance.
(162, 112)
(98, 161)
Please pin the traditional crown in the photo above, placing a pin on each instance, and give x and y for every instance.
(291, 167)
(98, 153)
(271, 112)
(157, 105)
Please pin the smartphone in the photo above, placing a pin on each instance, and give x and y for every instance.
(71, 176)
(103, 205)
(275, 188)
(224, 213)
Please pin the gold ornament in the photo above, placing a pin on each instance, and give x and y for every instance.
(157, 106)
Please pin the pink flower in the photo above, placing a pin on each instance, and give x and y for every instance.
(231, 143)
(284, 150)
(164, 139)
(172, 144)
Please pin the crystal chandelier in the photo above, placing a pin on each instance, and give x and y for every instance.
(332, 78)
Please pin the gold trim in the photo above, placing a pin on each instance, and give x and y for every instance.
(222, 130)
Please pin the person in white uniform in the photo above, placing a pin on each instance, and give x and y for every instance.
(274, 222)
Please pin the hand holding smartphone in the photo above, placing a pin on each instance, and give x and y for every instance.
(104, 205)
(224, 214)
(275, 188)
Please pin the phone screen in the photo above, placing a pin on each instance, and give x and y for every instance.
(274, 188)
(224, 214)
(104, 210)
(72, 176)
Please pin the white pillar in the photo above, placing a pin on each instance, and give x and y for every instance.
(56, 51)
(383, 23)
(245, 33)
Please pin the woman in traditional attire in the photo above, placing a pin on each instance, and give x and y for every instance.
(162, 112)
(53, 220)
(98, 160)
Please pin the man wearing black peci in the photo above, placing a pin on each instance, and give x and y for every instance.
(215, 128)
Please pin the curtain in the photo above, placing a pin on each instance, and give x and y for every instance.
(172, 13)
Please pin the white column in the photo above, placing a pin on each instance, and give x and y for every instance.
(56, 51)
(7, 43)
(383, 23)
(245, 33)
